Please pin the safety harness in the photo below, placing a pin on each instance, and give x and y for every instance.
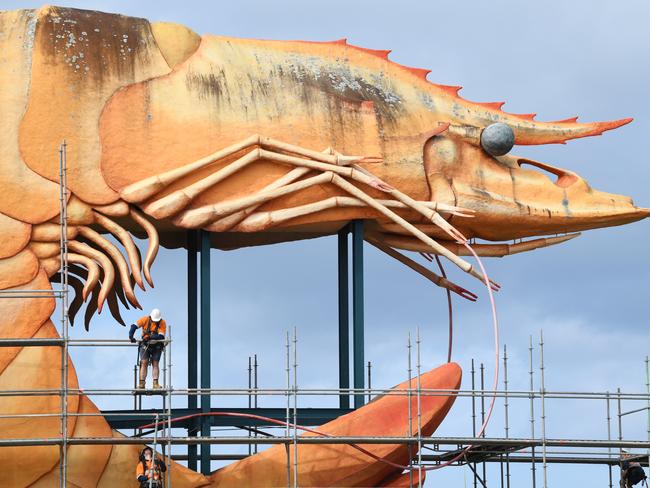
(151, 483)
(635, 474)
(148, 330)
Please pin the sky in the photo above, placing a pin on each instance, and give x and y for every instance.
(589, 296)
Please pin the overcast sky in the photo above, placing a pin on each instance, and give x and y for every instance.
(590, 296)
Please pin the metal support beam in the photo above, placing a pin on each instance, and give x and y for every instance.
(344, 317)
(357, 310)
(245, 440)
(130, 419)
(430, 458)
(192, 338)
(205, 346)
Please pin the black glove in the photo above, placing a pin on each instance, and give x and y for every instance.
(157, 337)
(142, 478)
(132, 331)
(161, 465)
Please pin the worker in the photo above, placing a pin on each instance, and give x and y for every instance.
(149, 471)
(153, 329)
(631, 471)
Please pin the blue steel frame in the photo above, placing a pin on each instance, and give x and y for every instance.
(205, 347)
(200, 241)
(358, 310)
(192, 339)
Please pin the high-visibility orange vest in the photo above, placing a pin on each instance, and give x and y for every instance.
(150, 327)
(144, 468)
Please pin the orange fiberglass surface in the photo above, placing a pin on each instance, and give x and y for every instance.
(257, 142)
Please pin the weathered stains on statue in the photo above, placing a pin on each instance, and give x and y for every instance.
(207, 85)
(253, 81)
(565, 204)
(307, 77)
(94, 45)
(80, 59)
(514, 189)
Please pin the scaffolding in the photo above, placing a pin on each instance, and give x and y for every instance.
(427, 452)
(282, 425)
(61, 294)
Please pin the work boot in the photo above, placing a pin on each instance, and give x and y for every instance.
(156, 385)
(141, 385)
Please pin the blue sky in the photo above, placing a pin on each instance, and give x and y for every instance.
(590, 296)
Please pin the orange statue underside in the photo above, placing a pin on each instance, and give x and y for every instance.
(258, 142)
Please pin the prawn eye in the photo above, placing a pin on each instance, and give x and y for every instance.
(497, 139)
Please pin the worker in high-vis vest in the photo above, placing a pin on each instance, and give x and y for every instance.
(153, 329)
(149, 471)
(631, 471)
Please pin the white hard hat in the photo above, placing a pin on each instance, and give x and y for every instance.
(155, 315)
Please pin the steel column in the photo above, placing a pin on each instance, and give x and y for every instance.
(192, 338)
(205, 346)
(357, 310)
(344, 317)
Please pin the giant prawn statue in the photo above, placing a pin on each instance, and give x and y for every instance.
(257, 142)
